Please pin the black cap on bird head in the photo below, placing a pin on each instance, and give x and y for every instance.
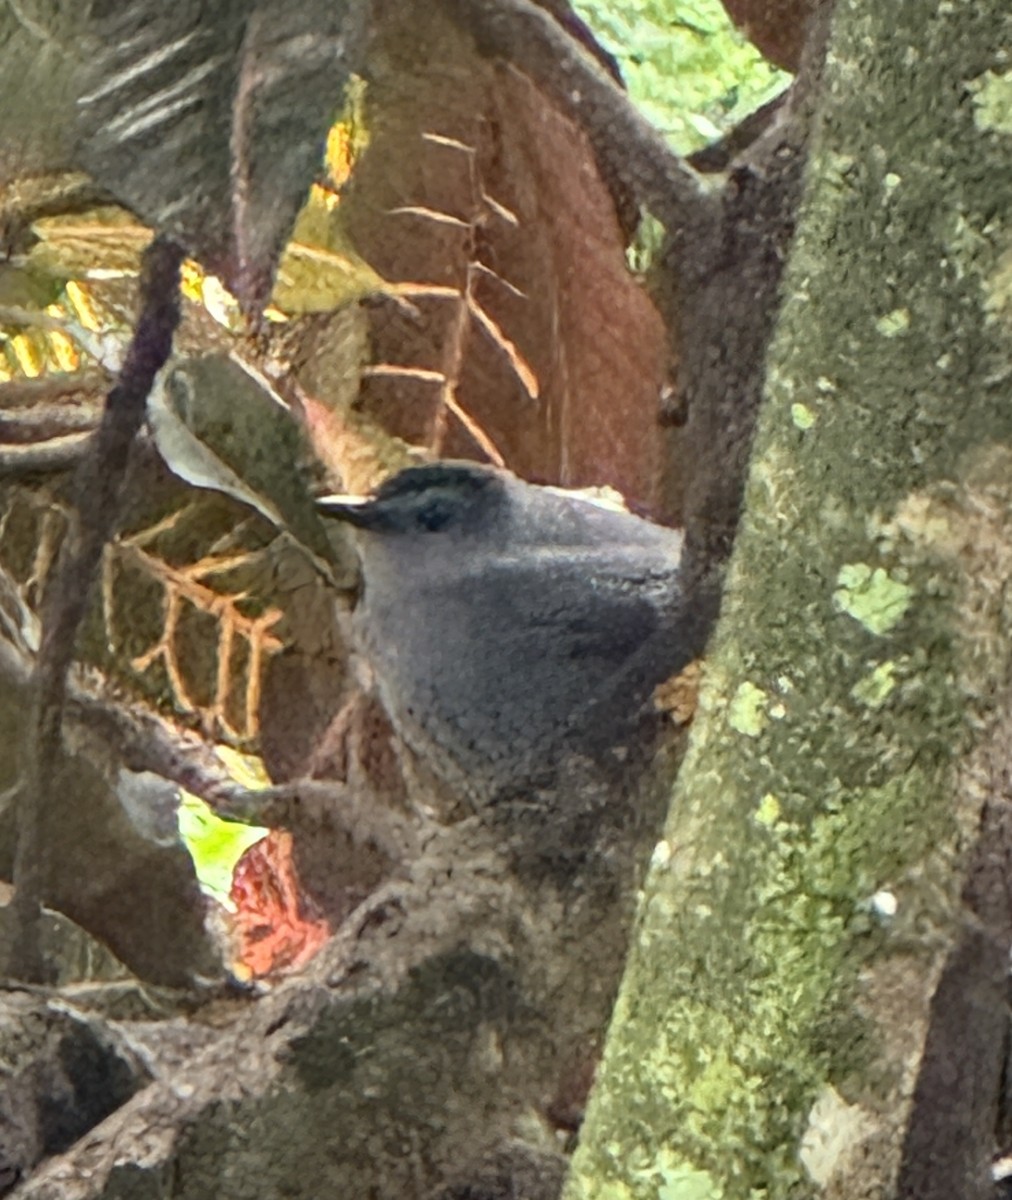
(422, 499)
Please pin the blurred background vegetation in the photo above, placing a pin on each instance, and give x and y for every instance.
(686, 67)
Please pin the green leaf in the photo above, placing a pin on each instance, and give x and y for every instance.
(686, 66)
(214, 845)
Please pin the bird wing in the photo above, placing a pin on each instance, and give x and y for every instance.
(520, 650)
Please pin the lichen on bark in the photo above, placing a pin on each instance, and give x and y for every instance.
(813, 883)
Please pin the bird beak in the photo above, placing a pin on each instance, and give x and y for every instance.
(360, 511)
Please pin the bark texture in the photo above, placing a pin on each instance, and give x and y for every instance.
(815, 1000)
(441, 1046)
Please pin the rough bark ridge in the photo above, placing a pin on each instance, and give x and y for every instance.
(814, 1006)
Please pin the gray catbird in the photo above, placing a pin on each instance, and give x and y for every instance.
(508, 624)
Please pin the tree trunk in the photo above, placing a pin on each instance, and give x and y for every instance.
(816, 999)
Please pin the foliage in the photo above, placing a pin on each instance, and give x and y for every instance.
(214, 845)
(685, 65)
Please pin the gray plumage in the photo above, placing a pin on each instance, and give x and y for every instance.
(508, 624)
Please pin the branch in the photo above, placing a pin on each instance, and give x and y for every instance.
(54, 454)
(142, 740)
(628, 148)
(16, 393)
(24, 201)
(97, 488)
(720, 155)
(31, 318)
(46, 421)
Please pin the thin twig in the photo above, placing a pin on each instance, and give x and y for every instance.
(18, 393)
(37, 458)
(143, 740)
(97, 489)
(31, 318)
(49, 421)
(310, 802)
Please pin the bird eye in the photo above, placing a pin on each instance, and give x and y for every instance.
(436, 513)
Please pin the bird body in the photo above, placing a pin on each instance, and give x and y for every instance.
(508, 624)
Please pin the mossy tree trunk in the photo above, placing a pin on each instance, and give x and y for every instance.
(816, 999)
